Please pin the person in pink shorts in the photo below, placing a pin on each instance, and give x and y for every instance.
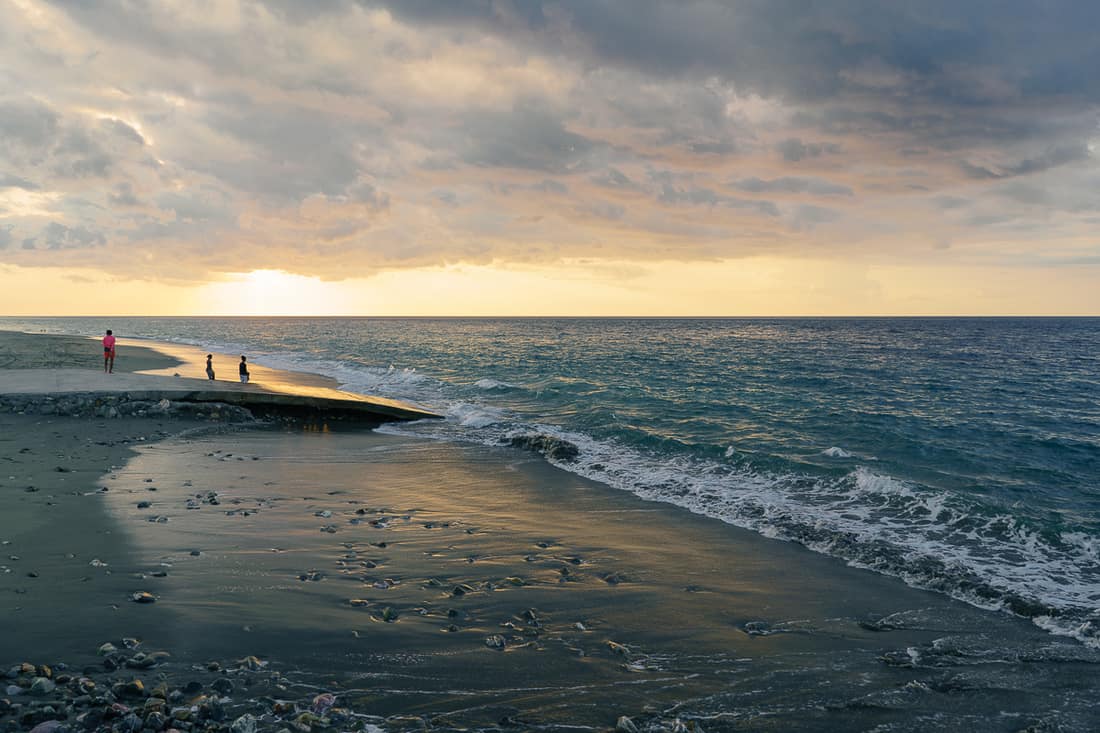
(109, 352)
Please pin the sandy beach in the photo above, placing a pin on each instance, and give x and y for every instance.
(439, 586)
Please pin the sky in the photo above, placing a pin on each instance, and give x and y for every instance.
(549, 157)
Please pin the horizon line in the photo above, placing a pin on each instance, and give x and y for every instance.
(575, 317)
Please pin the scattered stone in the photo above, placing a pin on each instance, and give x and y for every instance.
(251, 663)
(496, 641)
(322, 703)
(42, 686)
(222, 686)
(135, 688)
(50, 726)
(549, 446)
(244, 724)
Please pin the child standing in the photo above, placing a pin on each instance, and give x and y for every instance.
(209, 366)
(244, 370)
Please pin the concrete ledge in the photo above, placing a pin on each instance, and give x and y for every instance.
(78, 389)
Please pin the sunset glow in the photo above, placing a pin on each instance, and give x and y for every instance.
(549, 160)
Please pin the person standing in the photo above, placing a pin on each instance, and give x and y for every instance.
(244, 370)
(109, 352)
(209, 366)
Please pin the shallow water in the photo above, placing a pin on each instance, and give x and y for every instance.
(716, 625)
(960, 455)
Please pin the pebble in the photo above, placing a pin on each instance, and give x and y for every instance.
(50, 726)
(42, 686)
(244, 724)
(222, 686)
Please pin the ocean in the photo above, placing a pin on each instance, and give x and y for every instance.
(960, 455)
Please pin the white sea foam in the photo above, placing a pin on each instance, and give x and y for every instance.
(490, 384)
(836, 452)
(475, 416)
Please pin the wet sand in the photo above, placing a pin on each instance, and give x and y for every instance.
(446, 586)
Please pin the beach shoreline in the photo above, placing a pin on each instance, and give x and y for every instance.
(578, 604)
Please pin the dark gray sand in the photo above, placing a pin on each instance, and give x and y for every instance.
(465, 586)
(444, 587)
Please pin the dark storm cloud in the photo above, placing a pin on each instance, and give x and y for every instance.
(942, 68)
(527, 137)
(289, 152)
(79, 155)
(811, 51)
(294, 122)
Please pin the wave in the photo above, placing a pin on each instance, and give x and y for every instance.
(929, 539)
(491, 384)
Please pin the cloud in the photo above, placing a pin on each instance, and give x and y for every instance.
(60, 237)
(27, 124)
(124, 196)
(692, 195)
(615, 179)
(10, 181)
(341, 137)
(527, 136)
(792, 184)
(793, 149)
(1044, 161)
(120, 128)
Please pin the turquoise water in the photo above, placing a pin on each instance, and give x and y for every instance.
(961, 455)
